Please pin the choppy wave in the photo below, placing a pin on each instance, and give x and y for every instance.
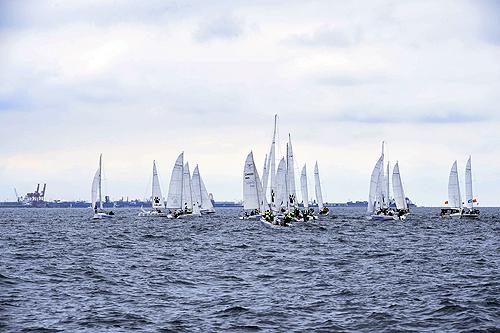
(61, 272)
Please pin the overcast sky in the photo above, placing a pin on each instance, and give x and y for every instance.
(140, 82)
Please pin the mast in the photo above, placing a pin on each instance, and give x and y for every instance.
(287, 192)
(272, 164)
(100, 182)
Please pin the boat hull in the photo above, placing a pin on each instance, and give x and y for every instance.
(152, 214)
(102, 216)
(471, 216)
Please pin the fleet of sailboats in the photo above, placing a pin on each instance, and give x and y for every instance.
(455, 207)
(379, 195)
(282, 206)
(273, 200)
(157, 203)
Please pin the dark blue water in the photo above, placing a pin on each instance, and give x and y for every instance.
(60, 271)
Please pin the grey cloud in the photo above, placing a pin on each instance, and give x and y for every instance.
(328, 36)
(225, 27)
(427, 116)
(349, 79)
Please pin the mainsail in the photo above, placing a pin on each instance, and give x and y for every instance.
(317, 187)
(252, 187)
(375, 182)
(174, 197)
(397, 188)
(200, 192)
(187, 188)
(303, 187)
(156, 197)
(280, 198)
(469, 199)
(97, 186)
(454, 197)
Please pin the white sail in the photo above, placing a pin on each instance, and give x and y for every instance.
(317, 187)
(251, 199)
(303, 187)
(265, 175)
(200, 192)
(187, 188)
(454, 197)
(156, 197)
(397, 188)
(261, 193)
(174, 197)
(469, 199)
(291, 173)
(374, 195)
(387, 185)
(95, 187)
(272, 167)
(280, 197)
(195, 203)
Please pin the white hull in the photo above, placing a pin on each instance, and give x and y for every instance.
(469, 216)
(152, 213)
(101, 216)
(451, 213)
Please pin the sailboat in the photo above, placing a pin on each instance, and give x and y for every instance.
(323, 211)
(157, 204)
(454, 201)
(378, 203)
(269, 172)
(402, 209)
(254, 200)
(307, 213)
(180, 191)
(201, 194)
(97, 193)
(469, 211)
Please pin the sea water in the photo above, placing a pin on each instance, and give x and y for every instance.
(62, 272)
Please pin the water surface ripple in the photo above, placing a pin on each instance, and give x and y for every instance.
(60, 272)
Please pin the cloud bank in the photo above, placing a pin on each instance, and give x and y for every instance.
(139, 82)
